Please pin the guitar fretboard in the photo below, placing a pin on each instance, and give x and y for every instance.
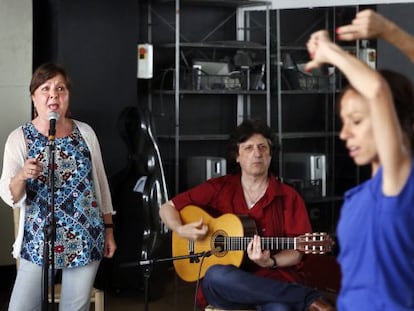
(240, 243)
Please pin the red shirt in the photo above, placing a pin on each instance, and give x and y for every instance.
(281, 212)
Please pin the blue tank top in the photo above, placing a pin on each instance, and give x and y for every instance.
(79, 222)
(376, 238)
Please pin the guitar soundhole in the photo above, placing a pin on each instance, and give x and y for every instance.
(218, 243)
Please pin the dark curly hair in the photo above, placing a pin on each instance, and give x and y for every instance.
(242, 133)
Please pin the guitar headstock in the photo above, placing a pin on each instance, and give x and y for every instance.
(314, 243)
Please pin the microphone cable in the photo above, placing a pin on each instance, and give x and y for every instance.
(206, 254)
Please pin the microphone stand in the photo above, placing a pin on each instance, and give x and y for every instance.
(50, 229)
(148, 265)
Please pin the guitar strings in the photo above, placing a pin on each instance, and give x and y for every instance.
(313, 242)
(240, 243)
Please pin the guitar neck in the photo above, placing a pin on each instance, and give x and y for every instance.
(270, 243)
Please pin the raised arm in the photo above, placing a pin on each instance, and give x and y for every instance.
(366, 81)
(368, 24)
(375, 92)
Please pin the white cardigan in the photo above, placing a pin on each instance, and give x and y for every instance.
(15, 152)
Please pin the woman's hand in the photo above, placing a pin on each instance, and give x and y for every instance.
(109, 244)
(367, 24)
(322, 50)
(31, 169)
(317, 46)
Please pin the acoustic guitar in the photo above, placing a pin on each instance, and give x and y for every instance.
(226, 241)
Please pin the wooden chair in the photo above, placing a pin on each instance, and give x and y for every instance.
(97, 295)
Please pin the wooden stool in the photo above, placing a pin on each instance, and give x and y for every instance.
(97, 297)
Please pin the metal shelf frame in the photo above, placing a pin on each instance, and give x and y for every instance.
(242, 11)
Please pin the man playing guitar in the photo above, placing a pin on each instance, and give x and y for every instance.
(268, 279)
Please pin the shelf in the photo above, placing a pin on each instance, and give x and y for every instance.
(212, 137)
(307, 92)
(218, 37)
(293, 48)
(306, 122)
(207, 137)
(234, 44)
(308, 135)
(218, 3)
(303, 48)
(211, 92)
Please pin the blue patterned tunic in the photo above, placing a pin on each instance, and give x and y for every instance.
(79, 222)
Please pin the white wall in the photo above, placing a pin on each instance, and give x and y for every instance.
(16, 46)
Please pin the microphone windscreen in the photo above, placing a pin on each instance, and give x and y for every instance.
(52, 115)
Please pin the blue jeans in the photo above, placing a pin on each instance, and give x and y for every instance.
(77, 284)
(232, 288)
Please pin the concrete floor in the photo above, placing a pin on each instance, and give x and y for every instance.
(178, 296)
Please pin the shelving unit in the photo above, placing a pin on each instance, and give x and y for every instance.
(306, 118)
(176, 91)
(302, 114)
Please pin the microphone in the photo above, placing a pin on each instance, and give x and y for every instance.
(212, 251)
(53, 117)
